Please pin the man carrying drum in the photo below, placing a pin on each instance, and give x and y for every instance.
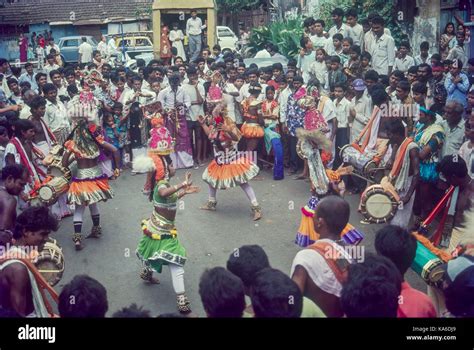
(20, 281)
(405, 170)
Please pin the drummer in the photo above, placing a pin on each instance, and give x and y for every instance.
(405, 170)
(19, 292)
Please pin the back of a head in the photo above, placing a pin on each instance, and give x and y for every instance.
(453, 165)
(132, 311)
(460, 294)
(335, 211)
(274, 294)
(222, 293)
(397, 244)
(372, 288)
(83, 297)
(246, 261)
(35, 219)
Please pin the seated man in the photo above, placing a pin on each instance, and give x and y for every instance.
(372, 289)
(396, 244)
(14, 178)
(19, 283)
(274, 294)
(318, 275)
(222, 293)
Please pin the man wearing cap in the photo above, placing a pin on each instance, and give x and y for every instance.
(361, 109)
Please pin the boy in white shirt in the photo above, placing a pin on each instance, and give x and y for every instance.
(403, 62)
(342, 109)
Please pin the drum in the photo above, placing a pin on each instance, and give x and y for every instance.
(50, 262)
(50, 191)
(428, 266)
(54, 163)
(363, 163)
(379, 205)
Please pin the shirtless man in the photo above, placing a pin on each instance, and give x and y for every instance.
(31, 232)
(311, 270)
(14, 178)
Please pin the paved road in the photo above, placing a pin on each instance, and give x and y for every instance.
(209, 237)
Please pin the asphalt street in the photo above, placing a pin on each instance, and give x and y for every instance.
(209, 237)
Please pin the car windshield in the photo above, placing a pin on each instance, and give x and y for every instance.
(93, 41)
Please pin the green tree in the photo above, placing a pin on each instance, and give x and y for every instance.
(230, 8)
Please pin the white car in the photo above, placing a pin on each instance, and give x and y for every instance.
(226, 38)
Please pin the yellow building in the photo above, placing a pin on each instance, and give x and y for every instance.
(166, 12)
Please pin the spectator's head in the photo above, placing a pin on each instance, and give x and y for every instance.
(193, 13)
(378, 26)
(84, 39)
(460, 37)
(38, 106)
(455, 67)
(4, 138)
(395, 77)
(365, 59)
(371, 78)
(331, 216)
(13, 85)
(435, 59)
(419, 91)
(404, 48)
(50, 92)
(14, 176)
(306, 43)
(337, 16)
(24, 129)
(297, 82)
(72, 90)
(56, 77)
(351, 17)
(372, 288)
(339, 90)
(412, 74)
(449, 28)
(246, 261)
(4, 65)
(395, 131)
(83, 297)
(308, 23)
(337, 40)
(469, 126)
(335, 63)
(424, 72)
(274, 294)
(222, 293)
(29, 68)
(424, 49)
(460, 292)
(132, 311)
(33, 226)
(454, 170)
(318, 26)
(453, 112)
(379, 97)
(355, 52)
(396, 243)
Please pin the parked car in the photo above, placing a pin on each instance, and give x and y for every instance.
(227, 38)
(69, 46)
(266, 62)
(135, 43)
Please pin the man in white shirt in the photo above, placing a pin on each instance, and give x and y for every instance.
(338, 28)
(424, 56)
(4, 65)
(356, 31)
(196, 93)
(56, 115)
(52, 45)
(361, 109)
(318, 39)
(102, 47)
(369, 36)
(252, 77)
(382, 48)
(312, 269)
(85, 51)
(403, 61)
(342, 110)
(194, 29)
(459, 51)
(29, 76)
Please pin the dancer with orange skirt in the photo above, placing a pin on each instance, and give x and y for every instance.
(90, 186)
(252, 129)
(228, 169)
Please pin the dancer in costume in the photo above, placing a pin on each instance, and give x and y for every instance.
(160, 245)
(252, 129)
(90, 186)
(228, 169)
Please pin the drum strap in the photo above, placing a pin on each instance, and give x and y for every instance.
(397, 164)
(336, 261)
(42, 284)
(366, 131)
(444, 203)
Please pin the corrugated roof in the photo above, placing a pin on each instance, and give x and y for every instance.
(45, 11)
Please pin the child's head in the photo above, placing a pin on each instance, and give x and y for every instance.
(109, 120)
(306, 43)
(3, 136)
(277, 70)
(355, 52)
(365, 58)
(419, 91)
(51, 59)
(346, 45)
(327, 60)
(239, 81)
(117, 108)
(435, 59)
(470, 98)
(155, 85)
(339, 90)
(282, 83)
(320, 55)
(335, 62)
(424, 48)
(337, 40)
(404, 49)
(412, 74)
(270, 93)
